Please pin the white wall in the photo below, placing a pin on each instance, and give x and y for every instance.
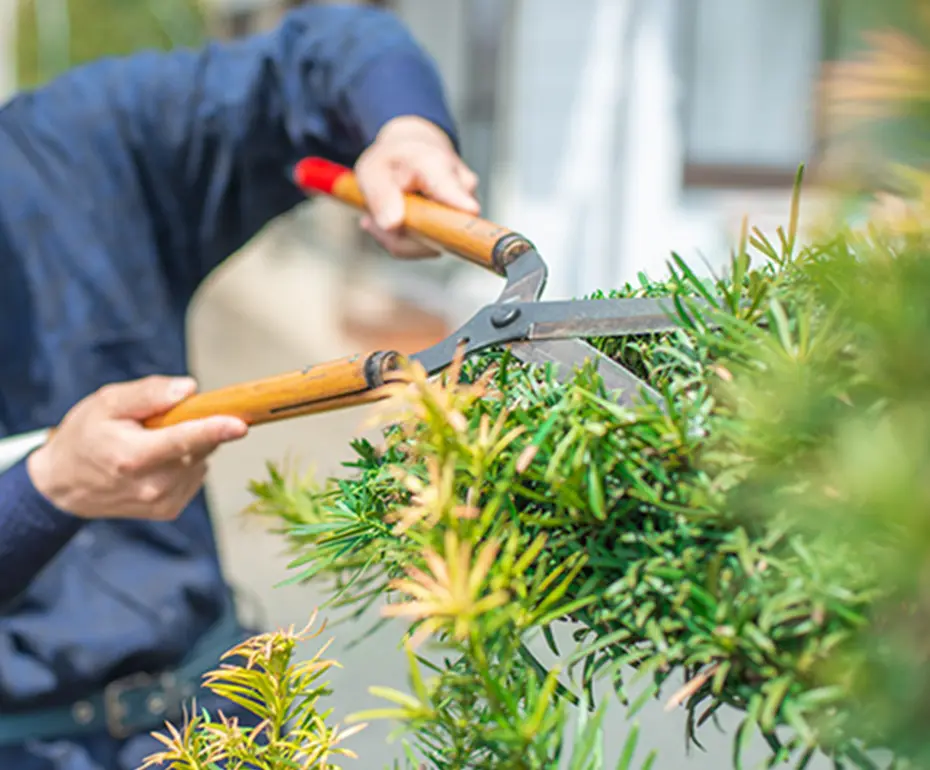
(592, 120)
(561, 126)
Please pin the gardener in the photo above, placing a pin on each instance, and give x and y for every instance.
(126, 182)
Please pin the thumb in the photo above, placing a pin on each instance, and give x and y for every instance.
(147, 397)
(384, 198)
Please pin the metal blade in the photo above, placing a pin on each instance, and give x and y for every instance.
(568, 355)
(513, 322)
(600, 318)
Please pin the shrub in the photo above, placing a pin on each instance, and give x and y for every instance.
(761, 532)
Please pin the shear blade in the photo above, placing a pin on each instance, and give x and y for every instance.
(599, 318)
(569, 355)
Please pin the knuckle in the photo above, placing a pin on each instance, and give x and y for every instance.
(114, 463)
(149, 492)
(106, 389)
(181, 444)
(124, 463)
(198, 434)
(108, 393)
(152, 385)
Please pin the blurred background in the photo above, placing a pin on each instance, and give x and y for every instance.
(610, 132)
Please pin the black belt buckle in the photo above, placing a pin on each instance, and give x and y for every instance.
(141, 701)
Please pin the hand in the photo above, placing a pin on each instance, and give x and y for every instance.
(411, 154)
(101, 462)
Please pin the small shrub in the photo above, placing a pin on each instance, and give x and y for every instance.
(284, 695)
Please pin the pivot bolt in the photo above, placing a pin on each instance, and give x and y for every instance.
(502, 318)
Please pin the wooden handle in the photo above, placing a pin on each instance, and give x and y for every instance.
(334, 385)
(442, 227)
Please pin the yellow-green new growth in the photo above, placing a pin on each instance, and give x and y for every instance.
(283, 694)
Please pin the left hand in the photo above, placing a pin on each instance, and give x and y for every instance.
(411, 155)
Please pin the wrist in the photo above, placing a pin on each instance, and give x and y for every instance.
(40, 468)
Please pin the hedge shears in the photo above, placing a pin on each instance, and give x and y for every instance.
(536, 332)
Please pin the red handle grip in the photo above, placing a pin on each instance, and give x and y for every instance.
(318, 175)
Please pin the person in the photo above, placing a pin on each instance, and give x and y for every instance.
(125, 182)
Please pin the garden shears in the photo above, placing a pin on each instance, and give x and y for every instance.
(536, 332)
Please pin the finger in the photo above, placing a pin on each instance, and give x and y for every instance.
(188, 487)
(178, 489)
(162, 485)
(440, 180)
(196, 458)
(398, 244)
(191, 459)
(467, 177)
(384, 194)
(194, 438)
(145, 397)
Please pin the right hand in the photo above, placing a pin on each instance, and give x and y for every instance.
(102, 462)
(411, 155)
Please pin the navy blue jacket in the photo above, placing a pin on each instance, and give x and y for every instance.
(124, 183)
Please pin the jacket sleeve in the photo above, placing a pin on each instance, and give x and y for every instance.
(211, 134)
(32, 531)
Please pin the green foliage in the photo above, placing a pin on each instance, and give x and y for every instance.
(291, 733)
(761, 532)
(873, 97)
(758, 532)
(833, 431)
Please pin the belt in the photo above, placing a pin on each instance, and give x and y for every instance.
(130, 705)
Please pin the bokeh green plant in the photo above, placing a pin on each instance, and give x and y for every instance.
(54, 35)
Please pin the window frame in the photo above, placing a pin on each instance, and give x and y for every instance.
(698, 176)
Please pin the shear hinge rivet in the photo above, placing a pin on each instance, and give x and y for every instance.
(505, 317)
